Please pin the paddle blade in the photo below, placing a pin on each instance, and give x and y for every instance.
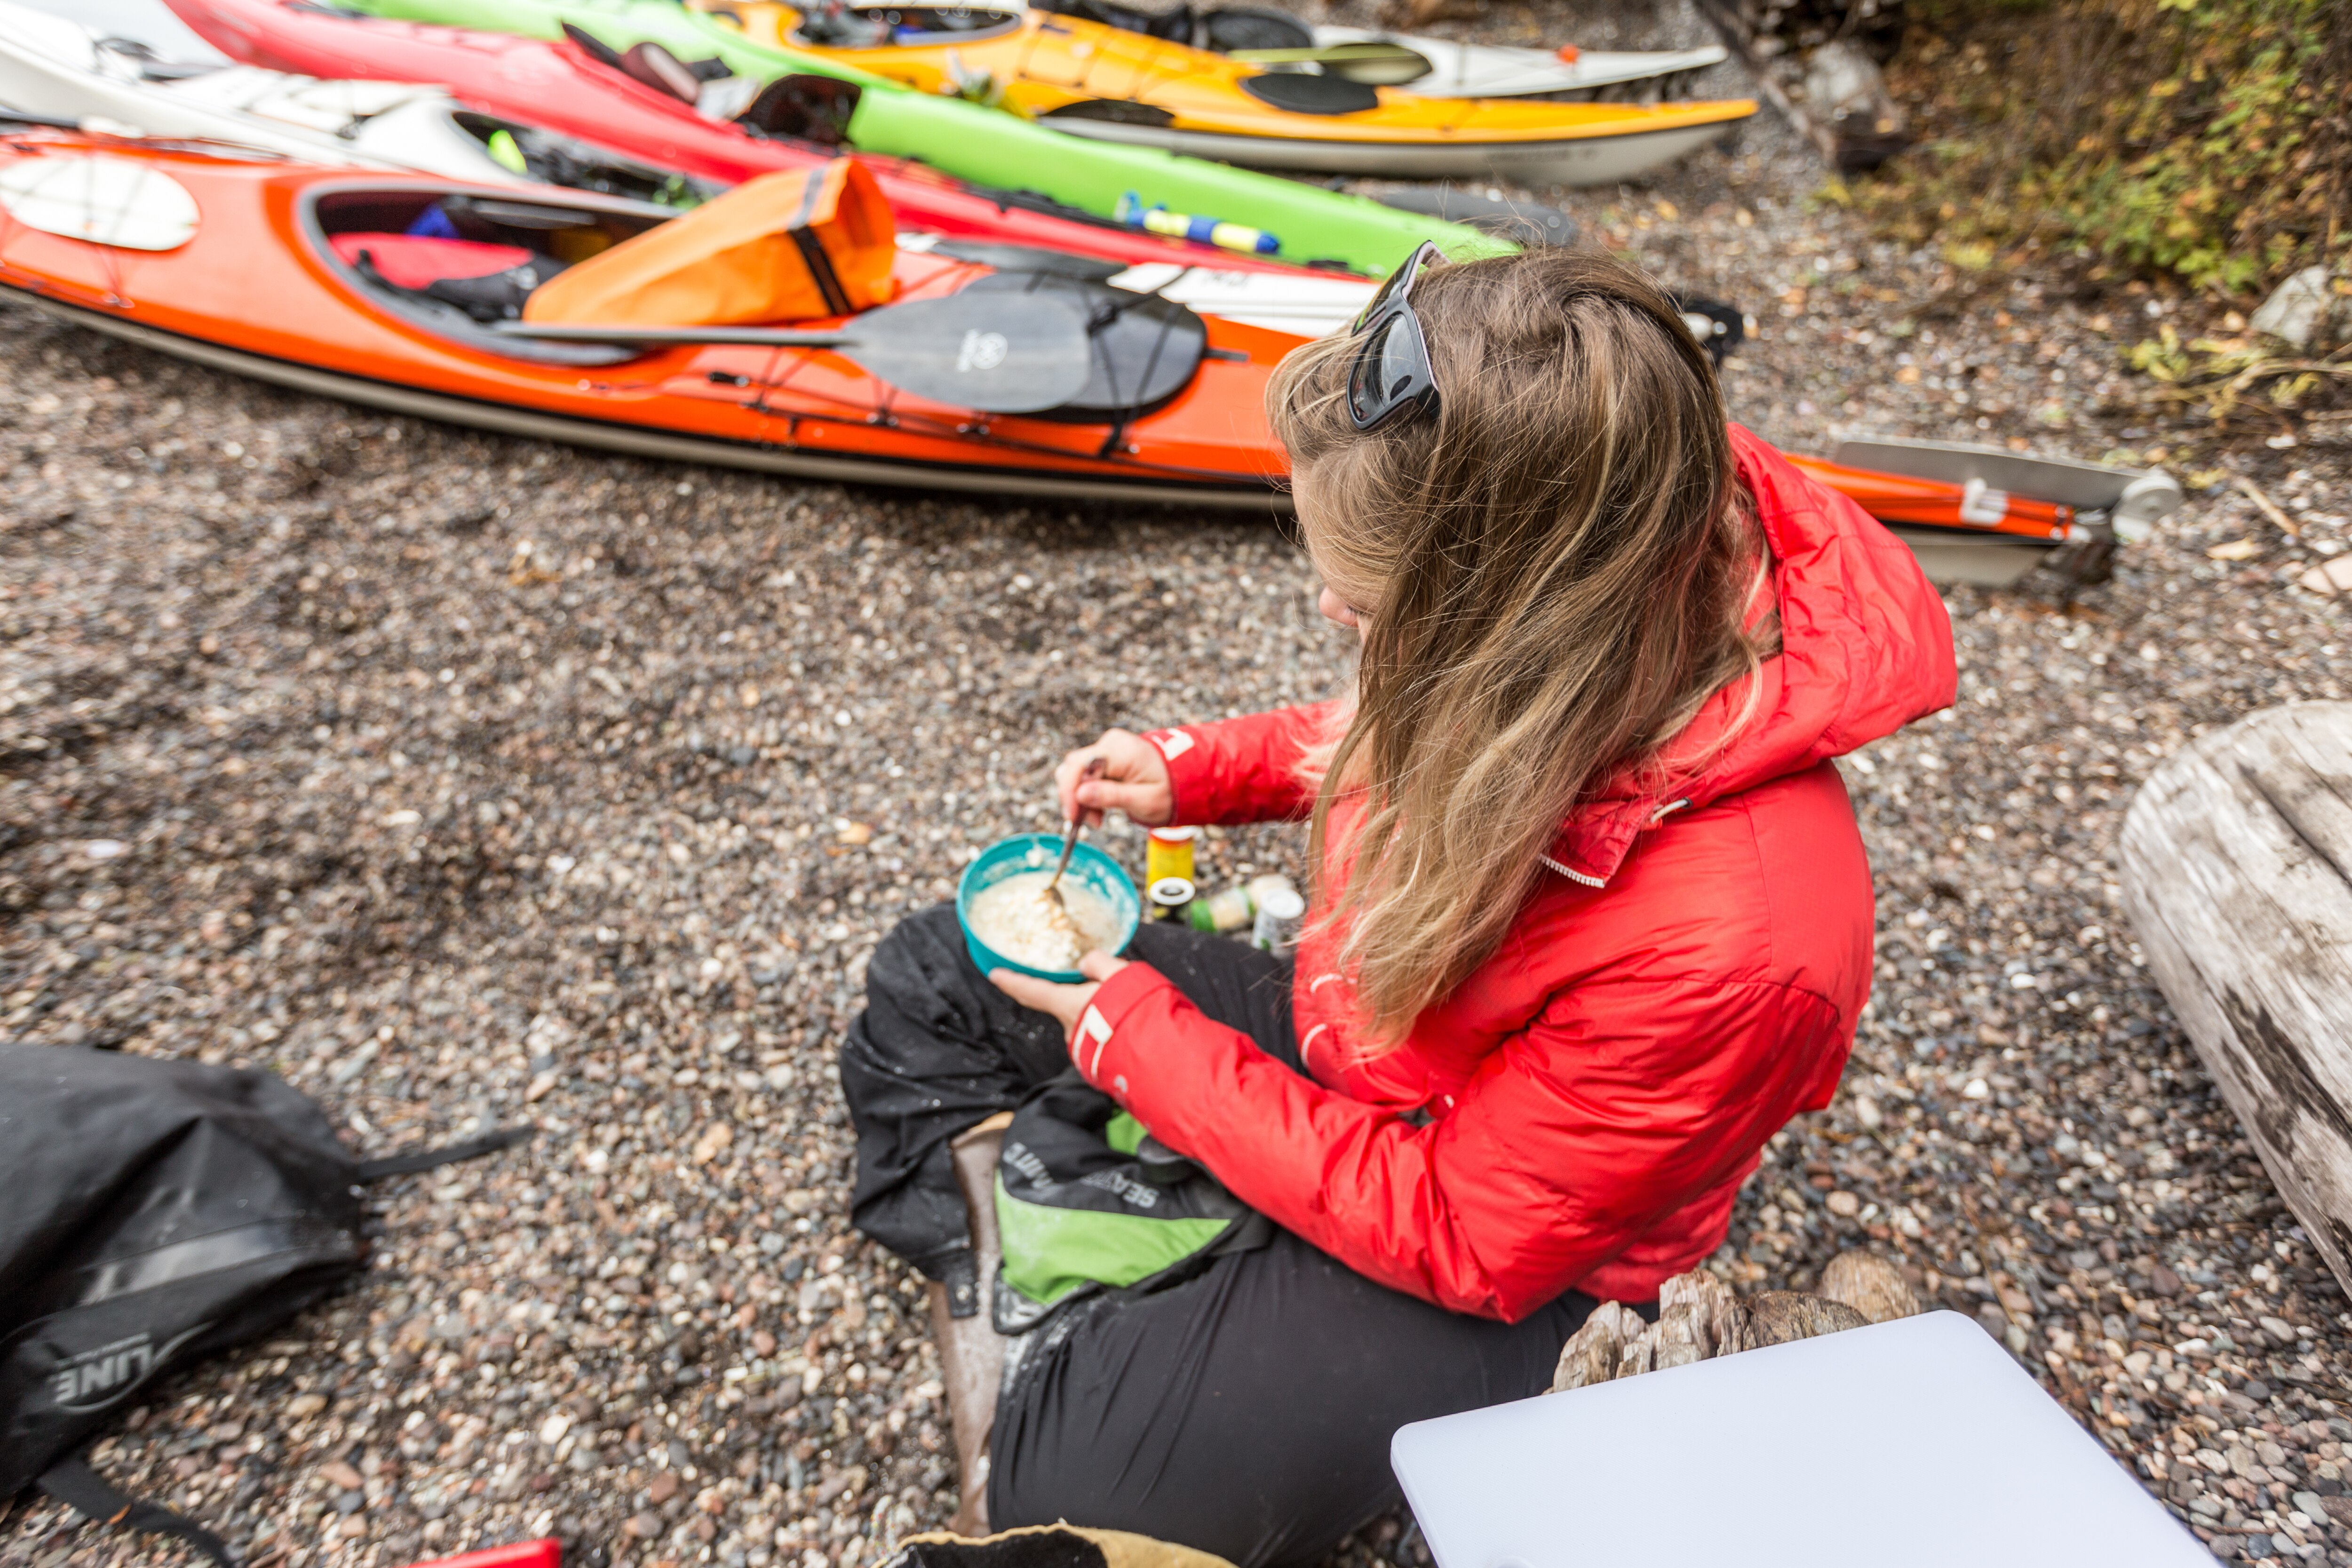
(997, 353)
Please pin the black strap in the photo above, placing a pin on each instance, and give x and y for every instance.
(74, 1483)
(489, 1142)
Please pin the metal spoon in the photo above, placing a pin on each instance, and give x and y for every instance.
(1052, 892)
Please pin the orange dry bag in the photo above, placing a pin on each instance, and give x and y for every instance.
(787, 247)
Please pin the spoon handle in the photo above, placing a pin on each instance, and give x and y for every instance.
(1070, 838)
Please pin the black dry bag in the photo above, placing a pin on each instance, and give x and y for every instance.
(157, 1211)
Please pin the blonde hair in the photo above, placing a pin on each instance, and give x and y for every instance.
(1561, 563)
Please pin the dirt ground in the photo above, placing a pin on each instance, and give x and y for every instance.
(467, 781)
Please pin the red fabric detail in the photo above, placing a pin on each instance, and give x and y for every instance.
(1599, 1089)
(1242, 769)
(414, 260)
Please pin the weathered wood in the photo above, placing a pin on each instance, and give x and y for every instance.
(2237, 873)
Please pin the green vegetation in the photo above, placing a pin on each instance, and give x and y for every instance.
(2210, 139)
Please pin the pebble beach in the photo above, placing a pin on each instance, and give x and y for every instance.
(467, 782)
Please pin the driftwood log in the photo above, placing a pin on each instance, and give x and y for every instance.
(1699, 1319)
(2237, 873)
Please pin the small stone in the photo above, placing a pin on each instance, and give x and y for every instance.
(302, 1406)
(643, 1526)
(763, 1343)
(2312, 1506)
(2296, 309)
(2163, 1281)
(1843, 1204)
(662, 1488)
(341, 1475)
(2278, 1329)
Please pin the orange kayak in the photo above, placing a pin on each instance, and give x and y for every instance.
(278, 271)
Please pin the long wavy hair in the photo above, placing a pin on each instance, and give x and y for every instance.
(1553, 573)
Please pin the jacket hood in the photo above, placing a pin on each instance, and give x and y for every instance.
(1865, 647)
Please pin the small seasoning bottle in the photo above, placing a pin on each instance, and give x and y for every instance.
(1227, 912)
(1168, 853)
(1169, 897)
(1279, 912)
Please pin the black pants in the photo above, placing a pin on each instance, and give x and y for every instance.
(1246, 1411)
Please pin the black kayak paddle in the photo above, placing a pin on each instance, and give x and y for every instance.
(995, 352)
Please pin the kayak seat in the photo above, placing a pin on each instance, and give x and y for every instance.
(1303, 94)
(488, 282)
(657, 68)
(811, 109)
(415, 261)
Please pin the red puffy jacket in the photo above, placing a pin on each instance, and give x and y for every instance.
(1582, 1110)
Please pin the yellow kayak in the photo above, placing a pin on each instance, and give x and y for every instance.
(1103, 82)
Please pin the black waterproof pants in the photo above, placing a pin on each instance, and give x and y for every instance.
(1246, 1411)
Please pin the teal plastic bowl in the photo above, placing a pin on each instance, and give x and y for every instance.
(1089, 867)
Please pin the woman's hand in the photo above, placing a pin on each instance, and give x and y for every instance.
(1134, 780)
(1067, 1002)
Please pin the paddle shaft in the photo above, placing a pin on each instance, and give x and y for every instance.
(755, 337)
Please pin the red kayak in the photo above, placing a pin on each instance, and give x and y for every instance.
(584, 92)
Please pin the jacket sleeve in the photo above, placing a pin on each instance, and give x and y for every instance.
(1242, 769)
(1570, 1143)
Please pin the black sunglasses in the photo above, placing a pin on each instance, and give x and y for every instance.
(1390, 373)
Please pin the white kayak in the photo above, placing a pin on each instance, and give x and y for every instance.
(62, 70)
(1489, 71)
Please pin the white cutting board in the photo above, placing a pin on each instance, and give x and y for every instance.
(1918, 1443)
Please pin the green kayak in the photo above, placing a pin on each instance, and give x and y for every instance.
(989, 146)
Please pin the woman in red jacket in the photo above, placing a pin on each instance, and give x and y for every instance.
(1591, 916)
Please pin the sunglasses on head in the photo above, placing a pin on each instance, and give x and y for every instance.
(1390, 373)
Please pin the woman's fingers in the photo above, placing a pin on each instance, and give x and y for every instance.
(1134, 780)
(1067, 778)
(1063, 1003)
(1136, 800)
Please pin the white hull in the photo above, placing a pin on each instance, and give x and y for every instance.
(1303, 304)
(1486, 70)
(54, 67)
(1580, 161)
(1310, 307)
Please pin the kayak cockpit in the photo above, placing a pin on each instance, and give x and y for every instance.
(455, 263)
(836, 25)
(462, 265)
